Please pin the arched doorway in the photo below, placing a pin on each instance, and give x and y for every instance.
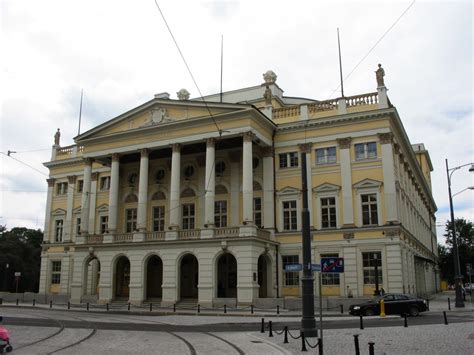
(122, 278)
(189, 275)
(227, 276)
(92, 277)
(154, 277)
(263, 276)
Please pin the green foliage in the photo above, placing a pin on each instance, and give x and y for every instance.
(20, 248)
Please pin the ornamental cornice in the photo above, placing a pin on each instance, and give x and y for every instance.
(344, 143)
(64, 162)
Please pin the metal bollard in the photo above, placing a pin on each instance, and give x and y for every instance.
(17, 301)
(371, 348)
(285, 341)
(427, 304)
(87, 305)
(151, 306)
(34, 302)
(262, 328)
(225, 308)
(405, 322)
(107, 307)
(356, 344)
(342, 309)
(128, 306)
(449, 303)
(270, 330)
(445, 318)
(361, 322)
(320, 346)
(251, 308)
(278, 309)
(174, 307)
(68, 305)
(303, 342)
(50, 304)
(199, 308)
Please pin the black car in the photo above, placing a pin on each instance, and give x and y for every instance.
(394, 304)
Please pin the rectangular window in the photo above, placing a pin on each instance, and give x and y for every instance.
(366, 150)
(257, 211)
(220, 214)
(328, 212)
(130, 220)
(158, 218)
(369, 260)
(188, 216)
(56, 272)
(331, 279)
(58, 230)
(288, 160)
(61, 188)
(290, 278)
(104, 224)
(289, 216)
(326, 155)
(105, 183)
(78, 225)
(80, 185)
(369, 209)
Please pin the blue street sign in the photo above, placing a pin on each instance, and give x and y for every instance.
(332, 265)
(293, 267)
(315, 267)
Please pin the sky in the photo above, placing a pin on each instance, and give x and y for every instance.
(121, 54)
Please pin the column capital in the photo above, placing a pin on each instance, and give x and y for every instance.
(248, 136)
(94, 176)
(176, 147)
(88, 161)
(268, 152)
(210, 141)
(115, 157)
(305, 147)
(386, 138)
(344, 143)
(144, 152)
(71, 179)
(50, 182)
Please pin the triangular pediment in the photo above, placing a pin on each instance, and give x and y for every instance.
(288, 190)
(367, 184)
(103, 208)
(58, 212)
(326, 187)
(77, 210)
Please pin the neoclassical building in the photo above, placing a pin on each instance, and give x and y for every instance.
(199, 200)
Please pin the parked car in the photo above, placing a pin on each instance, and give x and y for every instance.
(394, 304)
(468, 288)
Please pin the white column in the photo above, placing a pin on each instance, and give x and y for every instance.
(93, 202)
(210, 183)
(175, 186)
(113, 193)
(68, 229)
(346, 178)
(86, 191)
(306, 148)
(268, 190)
(235, 187)
(388, 167)
(247, 178)
(47, 218)
(143, 192)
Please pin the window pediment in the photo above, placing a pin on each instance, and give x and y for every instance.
(58, 212)
(326, 187)
(368, 184)
(103, 208)
(288, 191)
(77, 210)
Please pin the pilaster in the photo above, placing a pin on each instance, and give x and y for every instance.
(346, 179)
(247, 178)
(93, 202)
(47, 218)
(210, 183)
(388, 167)
(113, 193)
(175, 186)
(143, 192)
(268, 189)
(86, 196)
(235, 187)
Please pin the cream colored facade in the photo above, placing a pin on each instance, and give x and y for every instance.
(201, 200)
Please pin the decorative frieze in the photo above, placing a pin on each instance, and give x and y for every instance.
(344, 143)
(348, 235)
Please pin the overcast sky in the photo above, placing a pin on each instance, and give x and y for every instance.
(121, 54)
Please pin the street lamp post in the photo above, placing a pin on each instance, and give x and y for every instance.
(457, 267)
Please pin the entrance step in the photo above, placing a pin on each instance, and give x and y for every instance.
(187, 303)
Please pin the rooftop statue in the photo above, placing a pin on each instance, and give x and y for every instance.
(57, 136)
(267, 95)
(270, 77)
(183, 94)
(380, 73)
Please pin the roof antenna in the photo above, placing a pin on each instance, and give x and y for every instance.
(222, 63)
(340, 62)
(80, 114)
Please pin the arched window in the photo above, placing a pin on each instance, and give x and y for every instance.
(188, 192)
(131, 198)
(221, 190)
(158, 195)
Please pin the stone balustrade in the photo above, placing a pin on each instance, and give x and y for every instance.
(70, 151)
(321, 106)
(365, 99)
(227, 232)
(189, 234)
(123, 237)
(285, 112)
(263, 234)
(155, 236)
(94, 238)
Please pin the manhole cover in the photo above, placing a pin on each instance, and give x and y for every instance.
(256, 341)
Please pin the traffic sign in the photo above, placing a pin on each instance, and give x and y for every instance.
(17, 274)
(293, 267)
(315, 267)
(332, 265)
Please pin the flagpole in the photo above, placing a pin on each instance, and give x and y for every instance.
(80, 114)
(340, 62)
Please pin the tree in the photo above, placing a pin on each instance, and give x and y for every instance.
(465, 240)
(20, 249)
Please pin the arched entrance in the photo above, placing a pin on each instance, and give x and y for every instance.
(92, 277)
(154, 277)
(263, 276)
(122, 278)
(189, 275)
(227, 276)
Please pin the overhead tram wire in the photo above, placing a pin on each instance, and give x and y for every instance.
(373, 47)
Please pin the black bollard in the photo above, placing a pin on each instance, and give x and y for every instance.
(174, 307)
(262, 328)
(303, 342)
(251, 308)
(342, 309)
(199, 308)
(225, 308)
(449, 303)
(107, 307)
(17, 301)
(278, 309)
(68, 305)
(356, 344)
(128, 306)
(427, 304)
(151, 306)
(87, 305)
(270, 330)
(34, 302)
(445, 318)
(50, 304)
(405, 322)
(361, 322)
(320, 346)
(285, 341)
(371, 348)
